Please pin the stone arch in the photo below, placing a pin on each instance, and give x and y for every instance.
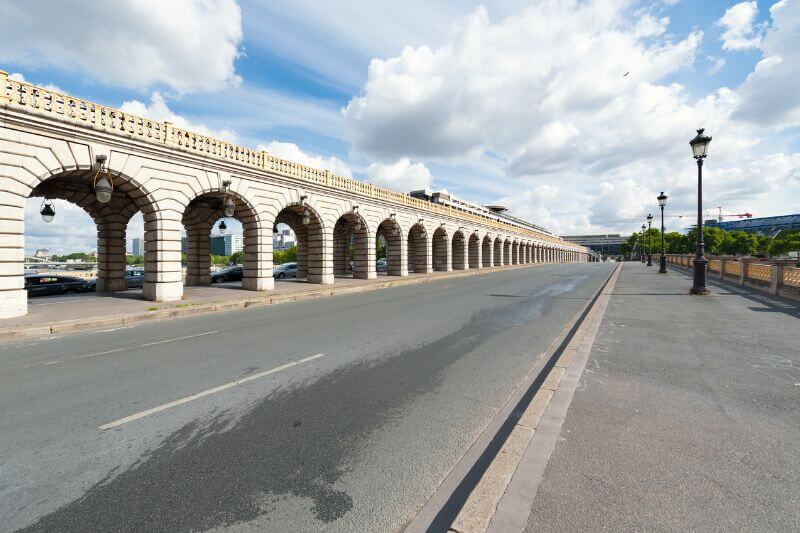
(459, 253)
(129, 197)
(309, 229)
(514, 252)
(441, 250)
(351, 231)
(419, 254)
(498, 251)
(474, 250)
(507, 244)
(392, 234)
(200, 216)
(486, 252)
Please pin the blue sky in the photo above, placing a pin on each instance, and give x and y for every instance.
(517, 102)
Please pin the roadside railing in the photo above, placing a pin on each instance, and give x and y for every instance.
(775, 278)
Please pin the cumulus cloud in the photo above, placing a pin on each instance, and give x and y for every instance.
(17, 76)
(292, 152)
(402, 175)
(519, 89)
(740, 32)
(160, 111)
(770, 96)
(187, 45)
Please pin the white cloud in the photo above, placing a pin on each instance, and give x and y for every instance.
(519, 89)
(158, 110)
(717, 64)
(770, 96)
(292, 152)
(17, 76)
(740, 30)
(402, 175)
(187, 45)
(73, 230)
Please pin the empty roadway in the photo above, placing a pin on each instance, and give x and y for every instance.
(335, 413)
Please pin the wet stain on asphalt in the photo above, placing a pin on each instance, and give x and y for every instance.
(297, 441)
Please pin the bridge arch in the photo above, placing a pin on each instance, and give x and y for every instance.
(474, 250)
(507, 244)
(351, 245)
(441, 250)
(497, 252)
(419, 250)
(392, 235)
(459, 255)
(486, 251)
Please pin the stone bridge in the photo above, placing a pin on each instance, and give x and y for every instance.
(52, 146)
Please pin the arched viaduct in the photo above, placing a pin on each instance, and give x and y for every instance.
(179, 180)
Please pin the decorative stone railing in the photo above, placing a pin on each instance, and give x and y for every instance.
(774, 277)
(37, 100)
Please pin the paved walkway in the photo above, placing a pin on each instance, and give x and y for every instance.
(687, 416)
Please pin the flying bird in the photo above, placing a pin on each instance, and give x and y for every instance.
(626, 75)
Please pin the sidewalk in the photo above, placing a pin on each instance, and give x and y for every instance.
(59, 314)
(686, 417)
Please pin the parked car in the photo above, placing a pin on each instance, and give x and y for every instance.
(135, 278)
(44, 285)
(231, 273)
(380, 265)
(286, 270)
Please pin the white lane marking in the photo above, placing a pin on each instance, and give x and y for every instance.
(117, 350)
(187, 399)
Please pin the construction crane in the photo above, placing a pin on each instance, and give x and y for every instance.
(722, 215)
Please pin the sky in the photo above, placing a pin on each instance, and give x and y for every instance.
(575, 114)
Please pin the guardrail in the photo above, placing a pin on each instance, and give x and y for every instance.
(775, 278)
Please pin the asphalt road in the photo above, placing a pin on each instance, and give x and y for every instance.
(352, 411)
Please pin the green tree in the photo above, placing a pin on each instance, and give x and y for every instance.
(236, 258)
(786, 241)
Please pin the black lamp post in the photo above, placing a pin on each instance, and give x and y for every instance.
(699, 151)
(643, 245)
(662, 261)
(649, 240)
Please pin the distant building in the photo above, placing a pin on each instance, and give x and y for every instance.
(282, 240)
(233, 244)
(226, 244)
(184, 245)
(769, 226)
(136, 247)
(42, 253)
(608, 244)
(218, 245)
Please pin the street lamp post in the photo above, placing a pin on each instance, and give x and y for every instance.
(643, 245)
(662, 261)
(699, 151)
(649, 240)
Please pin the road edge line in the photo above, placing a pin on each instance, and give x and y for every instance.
(443, 506)
(513, 510)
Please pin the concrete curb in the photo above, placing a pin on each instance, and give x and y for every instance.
(189, 309)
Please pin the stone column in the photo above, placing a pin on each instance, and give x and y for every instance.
(163, 277)
(198, 256)
(364, 242)
(111, 254)
(13, 296)
(257, 262)
(341, 250)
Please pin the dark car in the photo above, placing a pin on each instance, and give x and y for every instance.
(48, 284)
(232, 273)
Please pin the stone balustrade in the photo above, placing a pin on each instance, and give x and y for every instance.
(775, 278)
